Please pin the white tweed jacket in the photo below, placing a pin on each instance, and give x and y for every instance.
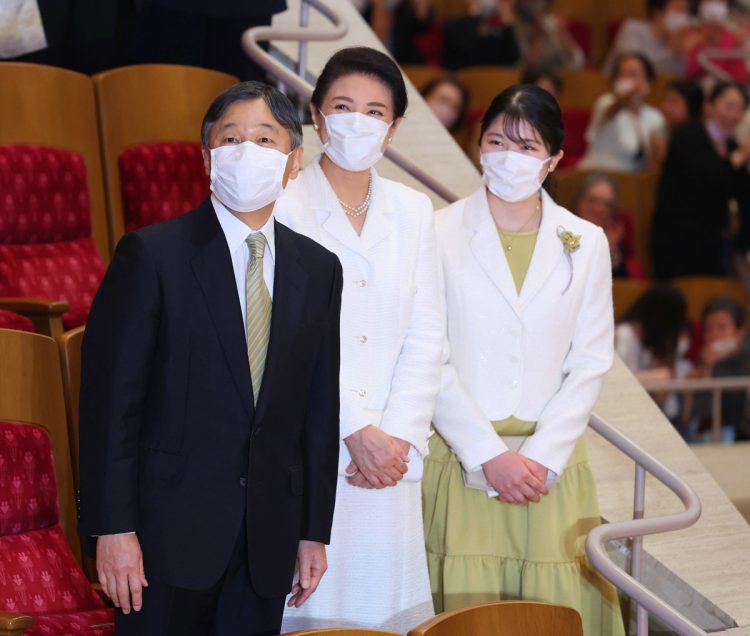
(392, 324)
(540, 355)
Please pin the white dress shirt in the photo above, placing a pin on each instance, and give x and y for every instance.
(236, 232)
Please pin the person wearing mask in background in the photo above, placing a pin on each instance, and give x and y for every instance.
(714, 34)
(484, 37)
(596, 202)
(725, 354)
(703, 170)
(201, 479)
(623, 126)
(448, 99)
(508, 493)
(652, 340)
(543, 37)
(660, 37)
(682, 104)
(392, 327)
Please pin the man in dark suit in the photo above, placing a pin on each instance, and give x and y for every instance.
(209, 397)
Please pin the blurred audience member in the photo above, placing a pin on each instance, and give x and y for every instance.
(659, 37)
(448, 98)
(205, 33)
(411, 18)
(543, 37)
(622, 125)
(725, 354)
(682, 104)
(652, 341)
(544, 78)
(596, 201)
(704, 169)
(714, 34)
(485, 36)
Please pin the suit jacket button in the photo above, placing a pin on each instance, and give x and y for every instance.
(243, 482)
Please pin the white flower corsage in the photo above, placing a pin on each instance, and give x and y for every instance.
(571, 243)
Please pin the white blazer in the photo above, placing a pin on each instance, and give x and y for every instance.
(539, 356)
(392, 325)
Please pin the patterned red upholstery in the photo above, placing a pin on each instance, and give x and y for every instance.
(44, 197)
(160, 181)
(12, 320)
(46, 248)
(38, 573)
(67, 270)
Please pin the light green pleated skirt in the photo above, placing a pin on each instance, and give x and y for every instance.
(481, 550)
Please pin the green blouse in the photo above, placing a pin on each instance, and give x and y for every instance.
(519, 255)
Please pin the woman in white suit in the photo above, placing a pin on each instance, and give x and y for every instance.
(508, 494)
(392, 330)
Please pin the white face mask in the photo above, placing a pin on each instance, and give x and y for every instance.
(247, 177)
(354, 140)
(724, 347)
(676, 20)
(713, 11)
(512, 176)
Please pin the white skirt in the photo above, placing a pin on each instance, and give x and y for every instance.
(377, 566)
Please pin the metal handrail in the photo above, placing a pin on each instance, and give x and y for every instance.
(645, 600)
(295, 81)
(707, 57)
(716, 386)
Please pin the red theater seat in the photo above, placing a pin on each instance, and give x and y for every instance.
(12, 320)
(576, 121)
(580, 31)
(39, 575)
(46, 246)
(160, 181)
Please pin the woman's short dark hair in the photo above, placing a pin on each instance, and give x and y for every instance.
(648, 65)
(661, 313)
(693, 96)
(281, 108)
(728, 305)
(363, 60)
(723, 87)
(453, 81)
(528, 103)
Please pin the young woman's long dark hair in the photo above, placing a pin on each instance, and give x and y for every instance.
(532, 104)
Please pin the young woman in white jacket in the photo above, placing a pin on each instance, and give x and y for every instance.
(528, 292)
(392, 328)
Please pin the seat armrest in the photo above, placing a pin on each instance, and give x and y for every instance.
(44, 313)
(14, 624)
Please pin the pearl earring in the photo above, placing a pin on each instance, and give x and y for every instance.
(315, 126)
(390, 139)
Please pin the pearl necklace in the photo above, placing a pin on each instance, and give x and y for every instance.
(362, 207)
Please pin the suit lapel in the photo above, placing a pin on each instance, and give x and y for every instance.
(212, 266)
(289, 290)
(547, 252)
(486, 247)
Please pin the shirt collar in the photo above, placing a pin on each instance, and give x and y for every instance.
(236, 231)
